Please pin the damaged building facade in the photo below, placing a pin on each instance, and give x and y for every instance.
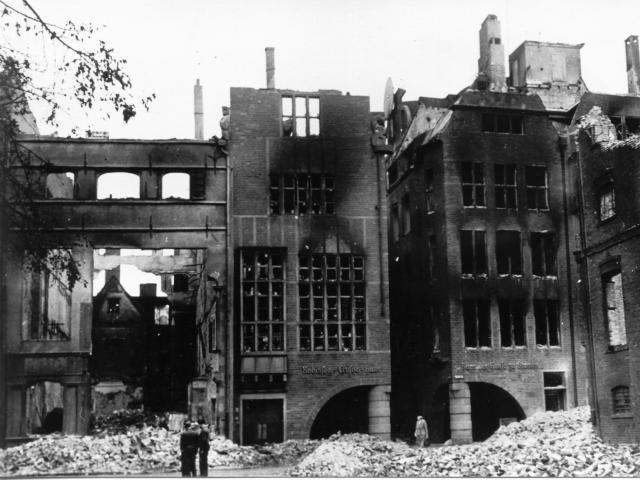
(255, 297)
(311, 324)
(147, 223)
(481, 240)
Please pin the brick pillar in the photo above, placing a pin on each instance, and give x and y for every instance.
(380, 411)
(460, 412)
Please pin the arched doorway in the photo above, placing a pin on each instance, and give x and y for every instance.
(491, 406)
(345, 412)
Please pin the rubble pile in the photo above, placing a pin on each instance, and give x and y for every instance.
(548, 444)
(138, 450)
(121, 420)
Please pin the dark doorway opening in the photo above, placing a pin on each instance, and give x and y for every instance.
(262, 421)
(438, 420)
(346, 412)
(491, 406)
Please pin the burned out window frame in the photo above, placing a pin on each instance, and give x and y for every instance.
(262, 300)
(394, 220)
(616, 328)
(110, 197)
(513, 331)
(473, 188)
(510, 123)
(543, 254)
(509, 253)
(626, 125)
(332, 300)
(506, 194)
(546, 313)
(553, 389)
(477, 249)
(298, 118)
(604, 187)
(476, 315)
(74, 188)
(38, 286)
(429, 191)
(301, 194)
(537, 195)
(405, 214)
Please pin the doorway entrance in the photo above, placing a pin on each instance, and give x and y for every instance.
(262, 421)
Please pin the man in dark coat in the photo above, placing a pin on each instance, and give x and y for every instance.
(203, 448)
(189, 442)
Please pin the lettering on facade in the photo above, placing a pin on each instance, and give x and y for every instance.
(338, 370)
(511, 367)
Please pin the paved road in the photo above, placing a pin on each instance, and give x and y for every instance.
(268, 471)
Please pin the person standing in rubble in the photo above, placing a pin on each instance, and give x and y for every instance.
(189, 442)
(203, 448)
(421, 432)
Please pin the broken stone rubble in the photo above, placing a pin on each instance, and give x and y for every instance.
(546, 444)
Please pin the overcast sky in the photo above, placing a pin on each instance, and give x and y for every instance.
(427, 47)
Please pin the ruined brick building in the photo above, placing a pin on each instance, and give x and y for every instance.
(484, 329)
(263, 300)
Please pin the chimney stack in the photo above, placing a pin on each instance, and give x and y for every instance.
(271, 68)
(197, 110)
(633, 64)
(491, 61)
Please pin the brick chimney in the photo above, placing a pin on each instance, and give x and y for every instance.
(271, 68)
(633, 64)
(197, 110)
(491, 61)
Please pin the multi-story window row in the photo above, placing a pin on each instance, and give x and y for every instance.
(332, 302)
(302, 194)
(512, 320)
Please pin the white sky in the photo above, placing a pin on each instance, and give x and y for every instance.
(428, 48)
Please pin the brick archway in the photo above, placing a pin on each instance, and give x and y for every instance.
(317, 406)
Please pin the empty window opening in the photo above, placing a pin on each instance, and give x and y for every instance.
(508, 252)
(554, 391)
(262, 306)
(406, 214)
(331, 292)
(300, 116)
(395, 222)
(431, 256)
(543, 254)
(60, 185)
(180, 282)
(135, 252)
(512, 323)
(625, 126)
(606, 201)
(547, 323)
(506, 186)
(537, 188)
(176, 185)
(44, 407)
(614, 310)
(118, 185)
(502, 123)
(130, 277)
(621, 400)
(47, 305)
(429, 191)
(473, 184)
(477, 323)
(392, 173)
(162, 315)
(300, 194)
(473, 252)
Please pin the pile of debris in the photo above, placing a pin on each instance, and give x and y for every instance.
(138, 450)
(121, 420)
(548, 444)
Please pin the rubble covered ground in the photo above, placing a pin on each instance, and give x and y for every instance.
(546, 444)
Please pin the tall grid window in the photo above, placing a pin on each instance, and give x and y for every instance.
(614, 310)
(512, 325)
(477, 323)
(301, 194)
(547, 323)
(506, 186)
(332, 302)
(300, 116)
(537, 188)
(606, 202)
(262, 291)
(473, 252)
(543, 254)
(621, 399)
(429, 191)
(473, 184)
